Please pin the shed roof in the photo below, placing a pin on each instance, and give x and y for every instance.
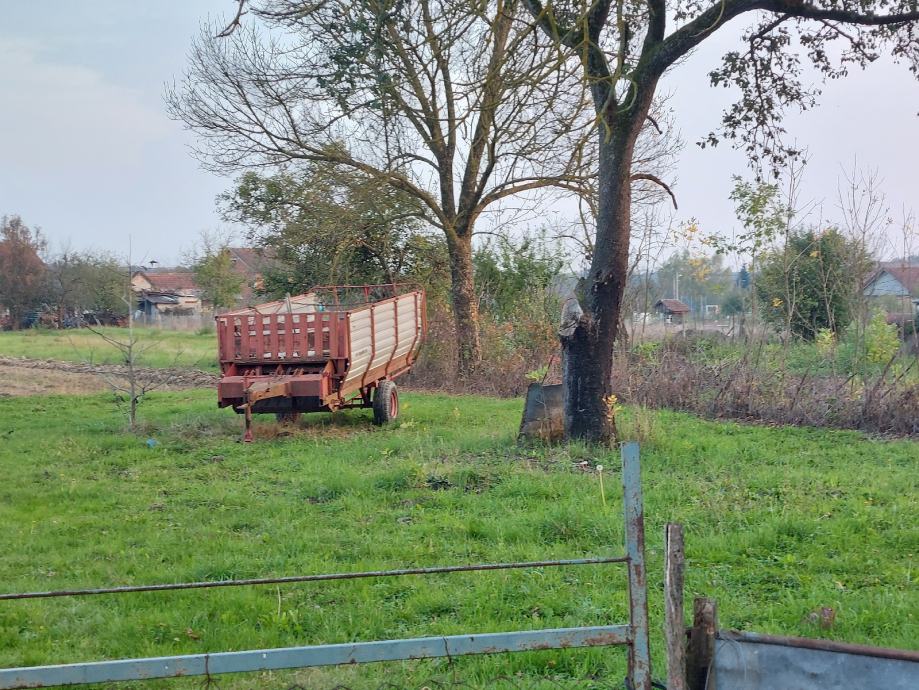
(299, 304)
(674, 306)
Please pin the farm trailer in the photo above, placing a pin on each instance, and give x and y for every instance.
(331, 348)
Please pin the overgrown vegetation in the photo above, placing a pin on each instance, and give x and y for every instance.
(811, 282)
(779, 522)
(821, 385)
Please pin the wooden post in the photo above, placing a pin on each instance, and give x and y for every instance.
(674, 626)
(702, 644)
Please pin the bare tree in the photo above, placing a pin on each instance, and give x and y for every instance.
(624, 49)
(865, 220)
(461, 105)
(131, 386)
(83, 281)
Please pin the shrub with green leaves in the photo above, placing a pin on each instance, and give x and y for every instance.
(881, 340)
(825, 340)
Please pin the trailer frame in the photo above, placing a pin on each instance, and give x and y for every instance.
(297, 354)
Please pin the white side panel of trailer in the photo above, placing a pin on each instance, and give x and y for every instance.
(377, 335)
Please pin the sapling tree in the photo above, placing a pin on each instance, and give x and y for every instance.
(133, 382)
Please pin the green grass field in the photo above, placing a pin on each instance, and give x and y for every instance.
(161, 348)
(778, 522)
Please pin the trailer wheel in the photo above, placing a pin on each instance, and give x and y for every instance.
(287, 417)
(385, 402)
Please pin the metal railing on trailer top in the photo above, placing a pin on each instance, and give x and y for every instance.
(634, 634)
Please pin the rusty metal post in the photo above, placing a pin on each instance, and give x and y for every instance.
(640, 647)
(702, 644)
(674, 628)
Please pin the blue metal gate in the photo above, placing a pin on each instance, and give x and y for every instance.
(634, 634)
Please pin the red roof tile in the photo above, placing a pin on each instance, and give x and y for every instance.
(172, 281)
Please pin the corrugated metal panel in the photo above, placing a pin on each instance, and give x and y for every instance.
(742, 664)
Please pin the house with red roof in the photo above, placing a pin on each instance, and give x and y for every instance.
(174, 292)
(166, 292)
(894, 286)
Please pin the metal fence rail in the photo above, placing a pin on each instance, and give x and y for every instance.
(634, 634)
(322, 577)
(307, 657)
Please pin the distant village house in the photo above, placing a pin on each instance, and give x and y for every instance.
(894, 288)
(251, 263)
(672, 310)
(165, 293)
(173, 291)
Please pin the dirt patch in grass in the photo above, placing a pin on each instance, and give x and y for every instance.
(21, 376)
(28, 381)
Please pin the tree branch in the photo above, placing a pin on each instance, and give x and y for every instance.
(805, 11)
(656, 180)
(691, 34)
(657, 22)
(236, 22)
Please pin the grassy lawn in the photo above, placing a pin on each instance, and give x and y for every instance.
(778, 522)
(161, 348)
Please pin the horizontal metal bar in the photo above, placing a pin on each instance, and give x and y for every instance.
(303, 657)
(310, 578)
(820, 645)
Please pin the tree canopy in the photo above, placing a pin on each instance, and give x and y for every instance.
(220, 283)
(811, 283)
(329, 224)
(22, 271)
(85, 281)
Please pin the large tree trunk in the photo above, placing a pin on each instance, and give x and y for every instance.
(465, 306)
(588, 346)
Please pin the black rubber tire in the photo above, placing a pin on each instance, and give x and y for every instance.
(385, 403)
(287, 417)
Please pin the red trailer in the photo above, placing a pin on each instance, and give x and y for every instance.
(331, 348)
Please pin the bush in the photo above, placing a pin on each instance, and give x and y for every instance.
(881, 340)
(825, 340)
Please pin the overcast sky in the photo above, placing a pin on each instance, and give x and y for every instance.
(88, 154)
